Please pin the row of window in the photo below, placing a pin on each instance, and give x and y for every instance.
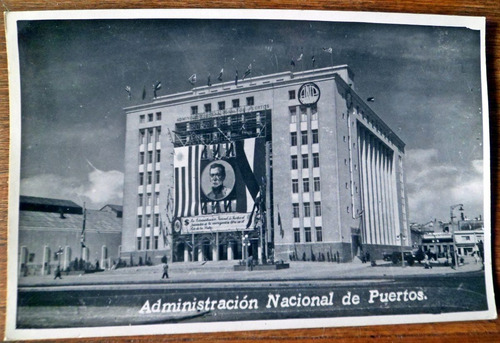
(304, 137)
(147, 243)
(305, 161)
(307, 209)
(146, 136)
(221, 105)
(140, 220)
(150, 155)
(147, 199)
(305, 185)
(149, 178)
(307, 234)
(303, 113)
(151, 116)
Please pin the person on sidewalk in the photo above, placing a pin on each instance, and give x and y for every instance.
(58, 273)
(165, 271)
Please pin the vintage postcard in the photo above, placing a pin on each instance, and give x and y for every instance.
(188, 171)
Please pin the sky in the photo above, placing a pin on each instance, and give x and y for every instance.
(425, 81)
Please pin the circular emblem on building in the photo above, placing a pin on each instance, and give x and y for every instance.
(309, 94)
(177, 225)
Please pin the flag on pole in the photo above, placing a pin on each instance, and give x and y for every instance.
(236, 78)
(169, 208)
(300, 57)
(313, 59)
(328, 50)
(282, 232)
(156, 87)
(129, 92)
(209, 83)
(164, 231)
(192, 79)
(248, 71)
(144, 93)
(292, 63)
(220, 75)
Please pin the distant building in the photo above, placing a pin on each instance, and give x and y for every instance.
(51, 233)
(310, 171)
(118, 209)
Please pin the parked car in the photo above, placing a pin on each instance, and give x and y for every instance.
(408, 256)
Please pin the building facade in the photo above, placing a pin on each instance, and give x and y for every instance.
(55, 232)
(277, 167)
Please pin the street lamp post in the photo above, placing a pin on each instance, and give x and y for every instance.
(402, 237)
(452, 208)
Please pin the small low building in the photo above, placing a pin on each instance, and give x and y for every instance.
(55, 232)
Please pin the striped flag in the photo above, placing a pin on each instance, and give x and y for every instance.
(220, 74)
(328, 50)
(187, 181)
(248, 71)
(192, 79)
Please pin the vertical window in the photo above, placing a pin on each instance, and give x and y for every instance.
(140, 200)
(315, 136)
(150, 178)
(307, 231)
(142, 133)
(157, 198)
(236, 102)
(317, 184)
(314, 112)
(293, 114)
(303, 113)
(317, 208)
(157, 176)
(157, 220)
(141, 179)
(150, 135)
(139, 221)
(147, 242)
(148, 220)
(293, 138)
(296, 213)
(291, 94)
(141, 158)
(139, 245)
(303, 136)
(208, 107)
(305, 161)
(150, 157)
(305, 183)
(250, 101)
(294, 162)
(142, 118)
(158, 115)
(315, 160)
(155, 243)
(158, 133)
(148, 199)
(319, 234)
(307, 209)
(150, 116)
(296, 235)
(158, 156)
(222, 105)
(295, 186)
(194, 109)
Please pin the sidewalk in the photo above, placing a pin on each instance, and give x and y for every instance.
(222, 271)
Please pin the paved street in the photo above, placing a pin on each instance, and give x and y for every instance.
(214, 292)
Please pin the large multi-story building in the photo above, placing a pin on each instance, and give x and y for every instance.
(282, 166)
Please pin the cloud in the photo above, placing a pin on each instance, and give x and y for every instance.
(100, 188)
(434, 185)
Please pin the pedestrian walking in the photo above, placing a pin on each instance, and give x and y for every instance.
(58, 273)
(165, 271)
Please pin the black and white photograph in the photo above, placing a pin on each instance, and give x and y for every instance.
(183, 171)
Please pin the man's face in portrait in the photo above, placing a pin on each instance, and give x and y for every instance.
(217, 177)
